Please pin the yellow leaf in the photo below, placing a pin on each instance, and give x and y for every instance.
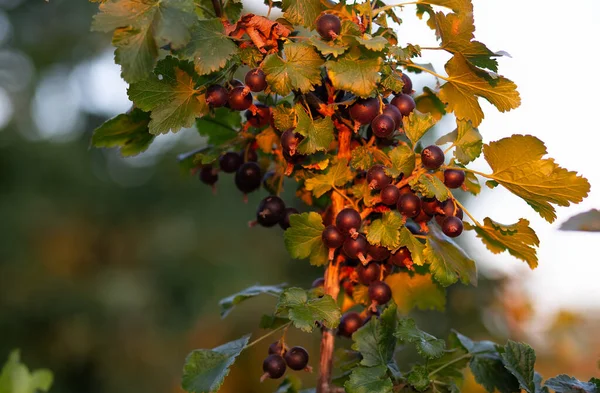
(416, 291)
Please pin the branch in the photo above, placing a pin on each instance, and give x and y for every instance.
(217, 6)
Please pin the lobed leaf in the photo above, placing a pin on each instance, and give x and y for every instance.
(467, 141)
(369, 380)
(304, 309)
(337, 175)
(430, 186)
(386, 230)
(128, 131)
(402, 161)
(358, 75)
(227, 304)
(463, 6)
(375, 340)
(221, 126)
(413, 244)
(448, 262)
(298, 69)
(519, 359)
(302, 12)
(417, 124)
(318, 134)
(427, 345)
(303, 238)
(566, 384)
(416, 291)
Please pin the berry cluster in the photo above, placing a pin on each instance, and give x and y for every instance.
(280, 358)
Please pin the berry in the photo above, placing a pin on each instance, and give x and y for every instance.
(249, 155)
(332, 237)
(276, 348)
(248, 177)
(293, 159)
(230, 162)
(383, 126)
(290, 140)
(364, 110)
(395, 114)
(235, 83)
(404, 103)
(216, 96)
(430, 206)
(380, 292)
(408, 86)
(348, 221)
(274, 366)
(400, 257)
(261, 118)
(453, 178)
(329, 26)
(208, 175)
(448, 210)
(239, 100)
(355, 248)
(284, 222)
(319, 282)
(270, 211)
(406, 190)
(389, 195)
(296, 358)
(432, 157)
(452, 226)
(423, 217)
(256, 80)
(350, 322)
(377, 178)
(368, 274)
(409, 205)
(378, 253)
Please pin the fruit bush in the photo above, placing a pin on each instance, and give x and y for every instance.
(327, 106)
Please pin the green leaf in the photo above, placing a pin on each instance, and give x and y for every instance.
(429, 102)
(364, 157)
(173, 100)
(233, 10)
(417, 124)
(466, 82)
(427, 345)
(519, 359)
(272, 322)
(128, 132)
(487, 367)
(369, 380)
(455, 5)
(472, 183)
(337, 175)
(376, 44)
(303, 238)
(250, 56)
(205, 369)
(136, 52)
(566, 384)
(291, 384)
(360, 295)
(375, 340)
(386, 231)
(391, 80)
(450, 367)
(448, 262)
(15, 377)
(518, 165)
(227, 304)
(413, 244)
(456, 32)
(402, 161)
(430, 186)
(302, 12)
(209, 48)
(318, 134)
(416, 291)
(333, 47)
(364, 192)
(588, 221)
(467, 141)
(220, 127)
(304, 309)
(299, 69)
(419, 378)
(283, 117)
(357, 75)
(518, 239)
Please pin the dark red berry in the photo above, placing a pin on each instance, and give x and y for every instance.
(347, 221)
(408, 86)
(248, 177)
(380, 292)
(432, 157)
(377, 178)
(350, 322)
(383, 126)
(395, 114)
(236, 83)
(378, 253)
(405, 103)
(208, 175)
(319, 282)
(296, 358)
(405, 190)
(453, 178)
(256, 80)
(284, 223)
(452, 226)
(230, 162)
(449, 208)
(270, 211)
(290, 140)
(329, 26)
(216, 96)
(274, 366)
(368, 274)
(261, 118)
(409, 205)
(276, 348)
(239, 100)
(332, 237)
(423, 217)
(400, 257)
(389, 195)
(249, 155)
(293, 159)
(430, 205)
(364, 110)
(355, 248)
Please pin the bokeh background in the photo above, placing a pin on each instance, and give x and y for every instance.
(111, 269)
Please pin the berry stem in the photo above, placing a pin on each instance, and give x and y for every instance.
(268, 335)
(467, 212)
(346, 197)
(217, 6)
(489, 176)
